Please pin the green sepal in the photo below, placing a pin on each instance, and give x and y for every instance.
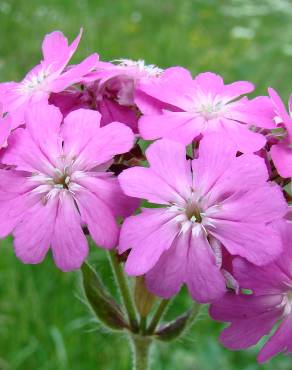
(173, 329)
(106, 309)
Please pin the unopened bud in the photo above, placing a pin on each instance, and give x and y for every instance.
(143, 298)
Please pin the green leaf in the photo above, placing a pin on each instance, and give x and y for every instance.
(102, 303)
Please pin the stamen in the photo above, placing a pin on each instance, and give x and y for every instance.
(193, 213)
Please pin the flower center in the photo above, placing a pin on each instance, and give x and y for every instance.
(210, 110)
(62, 179)
(34, 81)
(193, 213)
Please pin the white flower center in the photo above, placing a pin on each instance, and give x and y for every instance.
(34, 81)
(208, 105)
(211, 110)
(62, 178)
(193, 212)
(191, 215)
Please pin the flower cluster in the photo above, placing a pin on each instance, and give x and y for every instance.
(206, 204)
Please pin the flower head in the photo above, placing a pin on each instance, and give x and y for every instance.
(206, 206)
(50, 76)
(57, 183)
(252, 316)
(114, 88)
(203, 105)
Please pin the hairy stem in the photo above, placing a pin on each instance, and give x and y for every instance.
(141, 348)
(124, 290)
(157, 315)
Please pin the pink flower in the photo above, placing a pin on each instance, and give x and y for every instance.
(206, 105)
(59, 183)
(216, 202)
(113, 88)
(70, 99)
(281, 152)
(49, 76)
(125, 76)
(252, 316)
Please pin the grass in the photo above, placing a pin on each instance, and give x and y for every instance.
(43, 323)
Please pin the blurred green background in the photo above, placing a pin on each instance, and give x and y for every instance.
(43, 323)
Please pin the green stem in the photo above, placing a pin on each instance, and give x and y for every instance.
(124, 289)
(143, 324)
(157, 316)
(141, 348)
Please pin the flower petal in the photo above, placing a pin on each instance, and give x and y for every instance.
(215, 154)
(280, 341)
(253, 206)
(112, 111)
(43, 122)
(56, 51)
(236, 89)
(167, 276)
(245, 140)
(110, 140)
(148, 234)
(280, 110)
(99, 219)
(258, 243)
(74, 74)
(210, 83)
(25, 154)
(242, 334)
(203, 277)
(258, 112)
(171, 87)
(168, 161)
(178, 126)
(141, 182)
(232, 307)
(107, 188)
(282, 158)
(78, 129)
(69, 245)
(32, 236)
(264, 280)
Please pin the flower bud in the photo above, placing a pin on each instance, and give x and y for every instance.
(143, 298)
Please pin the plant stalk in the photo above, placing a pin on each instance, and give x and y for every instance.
(124, 290)
(141, 349)
(157, 315)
